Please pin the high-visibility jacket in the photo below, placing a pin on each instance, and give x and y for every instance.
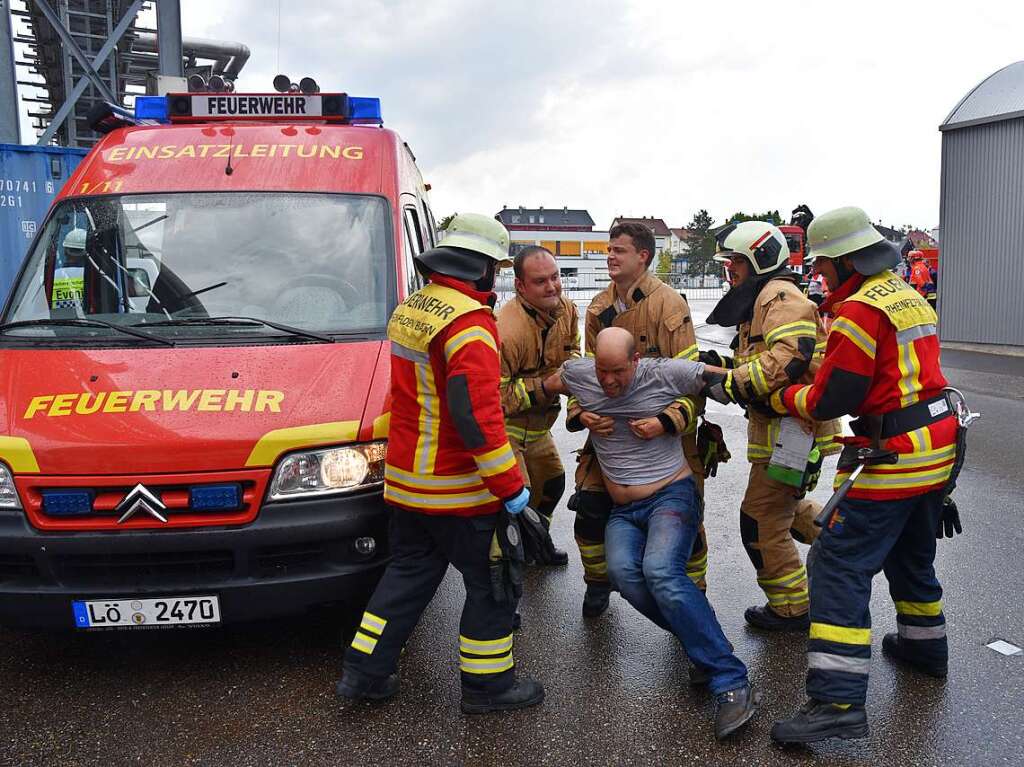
(782, 344)
(882, 355)
(659, 320)
(921, 278)
(447, 448)
(534, 344)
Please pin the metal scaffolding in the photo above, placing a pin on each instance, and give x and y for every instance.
(82, 52)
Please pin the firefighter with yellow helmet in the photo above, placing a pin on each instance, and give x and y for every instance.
(882, 366)
(779, 342)
(450, 478)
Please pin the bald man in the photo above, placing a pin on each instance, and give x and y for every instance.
(656, 510)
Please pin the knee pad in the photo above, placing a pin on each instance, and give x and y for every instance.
(587, 529)
(748, 534)
(550, 494)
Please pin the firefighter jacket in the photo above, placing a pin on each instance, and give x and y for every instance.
(782, 344)
(882, 357)
(447, 448)
(659, 319)
(921, 278)
(534, 344)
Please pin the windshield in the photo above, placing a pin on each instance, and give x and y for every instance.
(315, 262)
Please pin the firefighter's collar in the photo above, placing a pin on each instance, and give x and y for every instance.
(646, 284)
(547, 319)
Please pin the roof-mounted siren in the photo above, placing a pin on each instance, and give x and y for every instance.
(307, 85)
(212, 84)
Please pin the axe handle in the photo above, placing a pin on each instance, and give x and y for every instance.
(837, 496)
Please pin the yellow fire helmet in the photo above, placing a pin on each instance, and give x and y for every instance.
(849, 232)
(469, 242)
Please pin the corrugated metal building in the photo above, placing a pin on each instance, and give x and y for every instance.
(982, 213)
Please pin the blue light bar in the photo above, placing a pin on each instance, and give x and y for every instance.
(151, 108)
(364, 109)
(215, 497)
(67, 503)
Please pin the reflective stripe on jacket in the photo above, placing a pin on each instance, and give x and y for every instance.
(534, 344)
(447, 448)
(782, 344)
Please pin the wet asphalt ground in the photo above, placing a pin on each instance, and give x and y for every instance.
(617, 689)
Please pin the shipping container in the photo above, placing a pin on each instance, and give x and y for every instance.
(30, 177)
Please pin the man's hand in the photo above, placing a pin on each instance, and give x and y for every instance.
(647, 428)
(601, 425)
(553, 385)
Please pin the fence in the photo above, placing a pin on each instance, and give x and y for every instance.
(583, 286)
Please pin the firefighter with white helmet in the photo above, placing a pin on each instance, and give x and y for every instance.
(779, 342)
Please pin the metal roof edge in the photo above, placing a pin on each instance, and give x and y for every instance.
(46, 149)
(982, 121)
(946, 124)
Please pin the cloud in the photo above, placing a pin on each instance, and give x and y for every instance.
(646, 108)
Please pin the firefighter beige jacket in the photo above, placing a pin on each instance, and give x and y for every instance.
(782, 344)
(534, 344)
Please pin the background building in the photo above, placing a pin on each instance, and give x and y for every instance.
(982, 213)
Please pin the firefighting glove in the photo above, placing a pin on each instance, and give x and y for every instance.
(713, 358)
(711, 447)
(506, 560)
(813, 471)
(949, 520)
(537, 544)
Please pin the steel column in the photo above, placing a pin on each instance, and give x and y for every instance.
(168, 31)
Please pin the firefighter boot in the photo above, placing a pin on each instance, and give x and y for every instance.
(735, 709)
(764, 617)
(595, 601)
(897, 649)
(526, 692)
(353, 686)
(817, 720)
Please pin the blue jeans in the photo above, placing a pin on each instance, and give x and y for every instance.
(647, 543)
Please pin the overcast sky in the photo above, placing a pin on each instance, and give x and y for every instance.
(646, 108)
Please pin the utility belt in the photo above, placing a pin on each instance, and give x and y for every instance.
(905, 420)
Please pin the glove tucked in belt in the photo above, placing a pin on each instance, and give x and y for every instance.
(506, 559)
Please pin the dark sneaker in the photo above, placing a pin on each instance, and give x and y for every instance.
(897, 649)
(354, 687)
(765, 618)
(524, 693)
(735, 709)
(595, 601)
(560, 558)
(817, 720)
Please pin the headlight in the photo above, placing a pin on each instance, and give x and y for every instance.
(334, 470)
(8, 492)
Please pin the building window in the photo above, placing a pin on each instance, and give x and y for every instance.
(531, 220)
(541, 220)
(515, 219)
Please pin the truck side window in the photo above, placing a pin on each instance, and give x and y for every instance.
(431, 225)
(413, 247)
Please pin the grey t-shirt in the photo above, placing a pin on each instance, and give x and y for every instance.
(624, 457)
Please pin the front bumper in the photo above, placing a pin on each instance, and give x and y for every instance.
(291, 557)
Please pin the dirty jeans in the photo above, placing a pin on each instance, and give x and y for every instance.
(647, 543)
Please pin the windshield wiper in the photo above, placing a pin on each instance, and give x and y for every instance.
(82, 322)
(237, 320)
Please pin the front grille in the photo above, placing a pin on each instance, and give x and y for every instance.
(98, 503)
(17, 567)
(182, 567)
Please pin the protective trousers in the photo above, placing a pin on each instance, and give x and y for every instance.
(542, 471)
(593, 506)
(422, 547)
(771, 516)
(863, 537)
